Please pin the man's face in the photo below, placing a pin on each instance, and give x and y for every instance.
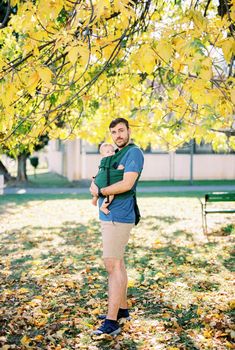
(120, 135)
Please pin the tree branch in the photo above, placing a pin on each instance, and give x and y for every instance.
(227, 132)
(206, 8)
(4, 22)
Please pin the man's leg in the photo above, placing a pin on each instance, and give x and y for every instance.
(115, 238)
(117, 286)
(123, 303)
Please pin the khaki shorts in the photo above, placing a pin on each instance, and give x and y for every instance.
(115, 236)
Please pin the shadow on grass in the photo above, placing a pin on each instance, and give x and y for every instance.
(167, 219)
(226, 230)
(229, 263)
(54, 284)
(51, 269)
(126, 344)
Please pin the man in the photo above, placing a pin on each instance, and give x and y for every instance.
(116, 227)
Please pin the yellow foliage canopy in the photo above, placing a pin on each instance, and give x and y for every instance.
(167, 67)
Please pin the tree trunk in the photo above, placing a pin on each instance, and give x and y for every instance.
(4, 172)
(21, 168)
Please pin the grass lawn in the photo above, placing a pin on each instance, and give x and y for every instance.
(186, 183)
(53, 283)
(47, 179)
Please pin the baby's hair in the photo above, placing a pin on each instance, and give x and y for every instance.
(104, 145)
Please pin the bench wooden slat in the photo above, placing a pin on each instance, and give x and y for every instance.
(220, 197)
(219, 211)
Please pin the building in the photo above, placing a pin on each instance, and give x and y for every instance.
(78, 160)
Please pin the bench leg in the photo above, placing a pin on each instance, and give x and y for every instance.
(204, 224)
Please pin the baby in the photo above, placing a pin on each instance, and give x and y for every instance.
(106, 150)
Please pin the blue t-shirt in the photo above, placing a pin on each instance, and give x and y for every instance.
(122, 210)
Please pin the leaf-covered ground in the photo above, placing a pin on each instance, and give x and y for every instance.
(53, 283)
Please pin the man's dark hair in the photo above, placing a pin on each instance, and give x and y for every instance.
(117, 121)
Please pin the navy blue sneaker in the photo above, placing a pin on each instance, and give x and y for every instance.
(122, 314)
(110, 327)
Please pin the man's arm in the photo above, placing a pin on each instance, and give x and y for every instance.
(124, 185)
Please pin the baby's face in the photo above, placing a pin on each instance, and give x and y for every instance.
(107, 151)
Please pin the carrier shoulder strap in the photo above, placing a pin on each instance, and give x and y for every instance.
(112, 161)
(116, 157)
(108, 170)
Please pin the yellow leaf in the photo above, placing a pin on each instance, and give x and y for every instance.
(157, 242)
(86, 324)
(102, 7)
(179, 44)
(36, 51)
(207, 333)
(232, 304)
(32, 82)
(206, 69)
(14, 2)
(200, 22)
(73, 54)
(233, 96)
(199, 311)
(36, 262)
(41, 322)
(49, 8)
(160, 275)
(2, 64)
(84, 53)
(38, 337)
(229, 345)
(96, 311)
(69, 284)
(144, 59)
(108, 50)
(131, 283)
(25, 340)
(23, 290)
(164, 50)
(205, 74)
(154, 286)
(228, 47)
(45, 74)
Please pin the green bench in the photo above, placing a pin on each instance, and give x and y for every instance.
(213, 198)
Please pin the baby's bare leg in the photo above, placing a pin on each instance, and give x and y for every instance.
(105, 204)
(94, 200)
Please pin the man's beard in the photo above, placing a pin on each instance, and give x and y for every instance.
(124, 142)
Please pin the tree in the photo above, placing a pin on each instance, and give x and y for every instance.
(168, 66)
(3, 171)
(21, 156)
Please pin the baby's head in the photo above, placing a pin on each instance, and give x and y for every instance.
(106, 150)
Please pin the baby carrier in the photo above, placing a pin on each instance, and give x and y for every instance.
(108, 174)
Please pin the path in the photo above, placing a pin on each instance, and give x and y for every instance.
(156, 189)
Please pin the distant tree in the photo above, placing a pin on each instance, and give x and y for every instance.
(21, 157)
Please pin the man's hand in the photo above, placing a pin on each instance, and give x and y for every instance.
(93, 189)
